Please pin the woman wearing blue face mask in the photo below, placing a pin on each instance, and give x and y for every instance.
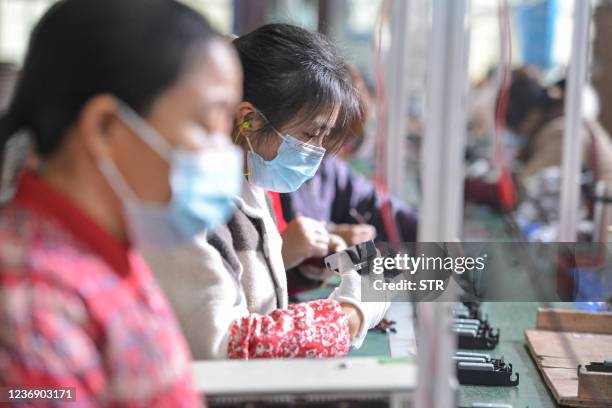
(126, 103)
(230, 293)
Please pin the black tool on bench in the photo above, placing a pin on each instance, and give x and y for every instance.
(385, 326)
(473, 332)
(599, 367)
(481, 369)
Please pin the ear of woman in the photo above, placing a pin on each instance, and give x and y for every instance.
(246, 121)
(97, 127)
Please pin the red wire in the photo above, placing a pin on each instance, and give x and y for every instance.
(505, 184)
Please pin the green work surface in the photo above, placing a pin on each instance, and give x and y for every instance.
(512, 320)
(375, 344)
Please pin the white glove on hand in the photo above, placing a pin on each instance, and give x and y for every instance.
(349, 291)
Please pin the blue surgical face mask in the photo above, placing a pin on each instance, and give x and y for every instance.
(203, 184)
(295, 163)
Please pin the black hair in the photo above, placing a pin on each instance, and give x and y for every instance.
(293, 73)
(527, 94)
(133, 49)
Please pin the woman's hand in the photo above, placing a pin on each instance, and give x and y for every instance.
(336, 244)
(349, 293)
(304, 238)
(316, 271)
(354, 316)
(354, 234)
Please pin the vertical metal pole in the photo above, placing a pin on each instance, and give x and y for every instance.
(396, 86)
(442, 172)
(248, 15)
(396, 98)
(442, 156)
(572, 138)
(323, 16)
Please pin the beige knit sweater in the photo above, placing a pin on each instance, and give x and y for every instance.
(224, 275)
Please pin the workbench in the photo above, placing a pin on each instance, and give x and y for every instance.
(512, 319)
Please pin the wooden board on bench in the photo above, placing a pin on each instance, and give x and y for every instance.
(558, 353)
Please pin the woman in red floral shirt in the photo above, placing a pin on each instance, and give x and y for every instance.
(126, 103)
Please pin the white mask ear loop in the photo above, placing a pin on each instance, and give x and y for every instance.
(250, 145)
(275, 131)
(148, 135)
(253, 150)
(279, 133)
(271, 126)
(145, 132)
(116, 180)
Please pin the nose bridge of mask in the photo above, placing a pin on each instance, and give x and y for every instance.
(304, 147)
(289, 140)
(301, 145)
(146, 132)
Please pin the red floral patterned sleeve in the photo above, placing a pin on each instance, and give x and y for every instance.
(313, 329)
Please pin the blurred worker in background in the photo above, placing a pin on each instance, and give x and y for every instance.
(342, 200)
(535, 114)
(534, 145)
(360, 150)
(337, 194)
(230, 291)
(535, 117)
(126, 103)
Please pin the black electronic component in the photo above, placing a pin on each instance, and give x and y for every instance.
(475, 335)
(481, 369)
(360, 255)
(472, 330)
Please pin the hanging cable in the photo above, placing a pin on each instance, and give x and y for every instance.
(506, 190)
(380, 97)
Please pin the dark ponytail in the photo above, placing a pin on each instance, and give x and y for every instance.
(8, 127)
(133, 49)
